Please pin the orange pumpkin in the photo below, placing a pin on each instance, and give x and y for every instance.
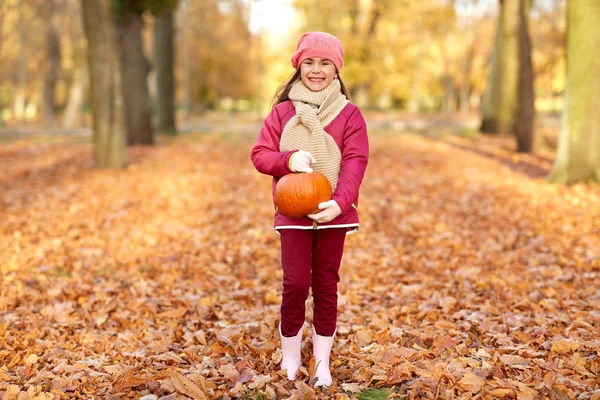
(299, 194)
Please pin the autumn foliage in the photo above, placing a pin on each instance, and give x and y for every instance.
(471, 276)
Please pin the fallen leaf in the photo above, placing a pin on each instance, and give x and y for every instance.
(471, 382)
(12, 393)
(563, 346)
(174, 313)
(500, 392)
(513, 360)
(185, 386)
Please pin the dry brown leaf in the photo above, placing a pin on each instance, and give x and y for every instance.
(185, 386)
(229, 372)
(341, 396)
(12, 393)
(500, 392)
(304, 391)
(363, 338)
(443, 324)
(471, 382)
(259, 381)
(200, 337)
(514, 360)
(100, 318)
(174, 313)
(31, 359)
(128, 381)
(563, 346)
(352, 387)
(524, 392)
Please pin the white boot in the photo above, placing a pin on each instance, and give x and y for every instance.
(321, 350)
(290, 351)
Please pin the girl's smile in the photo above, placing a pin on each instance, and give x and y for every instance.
(317, 73)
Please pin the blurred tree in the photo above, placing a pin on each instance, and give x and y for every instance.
(134, 70)
(548, 42)
(500, 96)
(20, 96)
(2, 16)
(468, 31)
(220, 56)
(421, 54)
(165, 79)
(578, 153)
(508, 100)
(361, 91)
(75, 69)
(358, 25)
(76, 95)
(47, 11)
(182, 18)
(105, 73)
(525, 111)
(397, 52)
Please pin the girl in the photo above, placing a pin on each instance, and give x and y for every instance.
(313, 127)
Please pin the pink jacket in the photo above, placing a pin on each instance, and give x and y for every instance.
(349, 131)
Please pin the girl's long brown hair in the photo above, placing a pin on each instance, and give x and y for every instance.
(282, 93)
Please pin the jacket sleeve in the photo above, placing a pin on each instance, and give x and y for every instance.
(265, 156)
(355, 156)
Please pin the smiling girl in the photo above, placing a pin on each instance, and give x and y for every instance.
(314, 127)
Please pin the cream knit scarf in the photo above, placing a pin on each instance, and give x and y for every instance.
(304, 131)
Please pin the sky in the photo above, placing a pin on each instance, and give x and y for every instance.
(275, 15)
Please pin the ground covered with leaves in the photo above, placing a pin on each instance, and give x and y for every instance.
(471, 276)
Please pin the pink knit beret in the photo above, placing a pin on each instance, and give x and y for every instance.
(321, 45)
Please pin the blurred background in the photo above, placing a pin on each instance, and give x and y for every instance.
(408, 56)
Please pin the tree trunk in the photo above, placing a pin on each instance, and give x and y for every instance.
(354, 15)
(79, 84)
(414, 103)
(525, 110)
(76, 96)
(578, 152)
(185, 60)
(20, 90)
(467, 68)
(362, 92)
(501, 94)
(107, 102)
(449, 100)
(489, 119)
(165, 80)
(2, 13)
(53, 55)
(134, 71)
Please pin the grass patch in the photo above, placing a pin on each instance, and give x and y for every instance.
(468, 133)
(62, 273)
(254, 395)
(373, 394)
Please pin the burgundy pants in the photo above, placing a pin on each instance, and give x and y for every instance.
(310, 259)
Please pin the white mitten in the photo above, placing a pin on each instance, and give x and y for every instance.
(329, 211)
(301, 160)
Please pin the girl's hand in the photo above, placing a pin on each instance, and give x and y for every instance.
(301, 160)
(330, 210)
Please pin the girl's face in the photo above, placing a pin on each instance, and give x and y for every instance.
(317, 73)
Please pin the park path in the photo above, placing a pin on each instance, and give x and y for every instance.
(470, 276)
